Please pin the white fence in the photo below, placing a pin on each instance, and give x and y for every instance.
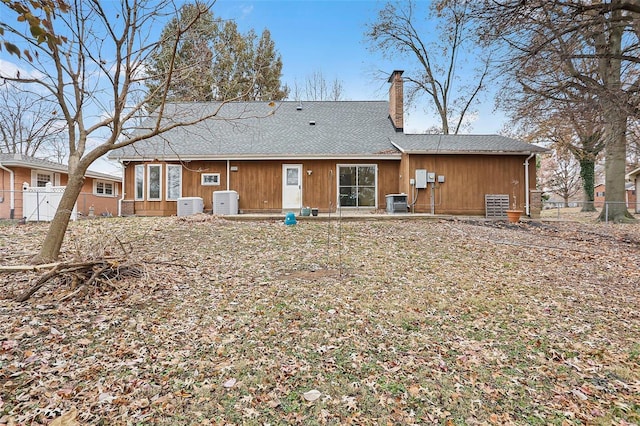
(40, 204)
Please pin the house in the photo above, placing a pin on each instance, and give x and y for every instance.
(20, 173)
(630, 193)
(598, 195)
(323, 154)
(634, 179)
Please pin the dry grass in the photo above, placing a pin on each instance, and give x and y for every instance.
(394, 322)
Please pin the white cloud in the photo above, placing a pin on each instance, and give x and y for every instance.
(247, 10)
(11, 70)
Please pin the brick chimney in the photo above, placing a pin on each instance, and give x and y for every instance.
(396, 97)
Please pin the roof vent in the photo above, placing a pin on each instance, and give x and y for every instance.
(312, 123)
(299, 107)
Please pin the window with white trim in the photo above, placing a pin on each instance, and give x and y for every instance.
(139, 181)
(357, 185)
(174, 181)
(210, 179)
(40, 178)
(103, 187)
(154, 176)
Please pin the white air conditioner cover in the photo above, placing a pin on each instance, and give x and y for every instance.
(190, 205)
(225, 202)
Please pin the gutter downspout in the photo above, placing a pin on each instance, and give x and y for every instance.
(526, 179)
(228, 173)
(12, 195)
(121, 189)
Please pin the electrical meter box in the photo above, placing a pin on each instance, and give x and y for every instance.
(421, 178)
(431, 177)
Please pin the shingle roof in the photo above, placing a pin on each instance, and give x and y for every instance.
(292, 129)
(462, 144)
(19, 160)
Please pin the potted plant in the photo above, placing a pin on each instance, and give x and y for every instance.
(513, 215)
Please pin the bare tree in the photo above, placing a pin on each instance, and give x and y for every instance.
(560, 174)
(581, 40)
(438, 74)
(93, 76)
(571, 122)
(318, 89)
(29, 123)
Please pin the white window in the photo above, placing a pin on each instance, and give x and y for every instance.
(139, 178)
(154, 188)
(40, 178)
(101, 187)
(174, 181)
(210, 179)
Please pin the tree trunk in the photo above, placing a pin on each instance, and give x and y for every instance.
(615, 208)
(58, 227)
(612, 100)
(587, 174)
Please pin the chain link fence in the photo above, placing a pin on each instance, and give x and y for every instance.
(575, 210)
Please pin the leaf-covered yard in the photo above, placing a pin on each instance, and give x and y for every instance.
(364, 322)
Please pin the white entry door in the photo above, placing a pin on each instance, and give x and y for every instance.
(291, 186)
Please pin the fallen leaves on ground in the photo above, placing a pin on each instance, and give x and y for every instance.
(371, 322)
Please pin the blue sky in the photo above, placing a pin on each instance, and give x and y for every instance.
(328, 36)
(312, 35)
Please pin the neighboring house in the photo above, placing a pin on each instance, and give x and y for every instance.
(630, 194)
(598, 195)
(634, 178)
(18, 172)
(350, 154)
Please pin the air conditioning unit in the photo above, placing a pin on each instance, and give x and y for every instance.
(225, 202)
(190, 205)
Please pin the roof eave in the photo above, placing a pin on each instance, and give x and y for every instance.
(633, 173)
(58, 169)
(448, 152)
(254, 157)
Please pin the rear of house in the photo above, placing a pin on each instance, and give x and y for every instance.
(326, 155)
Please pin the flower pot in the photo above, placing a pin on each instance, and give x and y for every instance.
(314, 212)
(305, 211)
(514, 215)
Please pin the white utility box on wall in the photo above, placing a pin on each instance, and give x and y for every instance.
(225, 202)
(190, 205)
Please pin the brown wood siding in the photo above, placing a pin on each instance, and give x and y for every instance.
(388, 181)
(259, 184)
(405, 175)
(468, 178)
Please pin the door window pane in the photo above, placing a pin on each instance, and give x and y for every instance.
(348, 196)
(367, 176)
(357, 186)
(292, 176)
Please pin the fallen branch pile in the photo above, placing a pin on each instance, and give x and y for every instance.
(80, 276)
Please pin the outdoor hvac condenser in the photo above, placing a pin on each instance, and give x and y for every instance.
(225, 202)
(396, 203)
(190, 205)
